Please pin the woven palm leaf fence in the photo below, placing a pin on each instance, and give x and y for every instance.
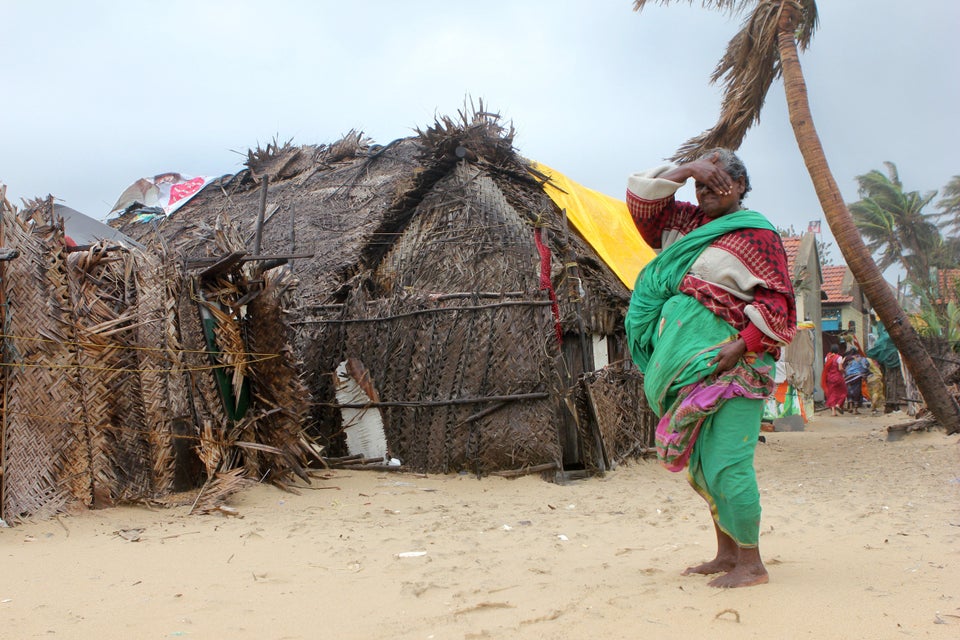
(111, 390)
(612, 398)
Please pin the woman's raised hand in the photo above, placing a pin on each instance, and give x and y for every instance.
(710, 173)
(706, 171)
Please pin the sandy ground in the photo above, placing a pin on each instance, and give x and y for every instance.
(861, 537)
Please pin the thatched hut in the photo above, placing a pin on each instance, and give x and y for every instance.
(439, 268)
(110, 393)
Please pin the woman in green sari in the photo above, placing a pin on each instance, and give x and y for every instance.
(707, 319)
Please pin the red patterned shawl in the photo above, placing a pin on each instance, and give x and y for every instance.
(743, 276)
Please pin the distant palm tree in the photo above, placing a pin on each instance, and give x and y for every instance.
(765, 48)
(949, 205)
(896, 229)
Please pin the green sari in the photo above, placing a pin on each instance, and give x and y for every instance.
(708, 423)
(672, 357)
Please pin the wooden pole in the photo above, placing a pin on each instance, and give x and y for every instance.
(293, 233)
(573, 279)
(483, 414)
(439, 403)
(419, 312)
(570, 263)
(258, 233)
(513, 473)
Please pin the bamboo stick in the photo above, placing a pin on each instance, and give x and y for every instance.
(482, 414)
(430, 296)
(532, 303)
(293, 232)
(359, 460)
(434, 403)
(513, 473)
(258, 232)
(353, 458)
(372, 467)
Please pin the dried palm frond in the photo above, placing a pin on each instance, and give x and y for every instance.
(260, 156)
(232, 351)
(210, 449)
(280, 396)
(351, 145)
(748, 67)
(218, 488)
(477, 135)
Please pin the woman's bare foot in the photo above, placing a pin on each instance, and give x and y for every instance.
(717, 565)
(742, 576)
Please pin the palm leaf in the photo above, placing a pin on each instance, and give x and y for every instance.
(896, 229)
(728, 6)
(949, 205)
(748, 67)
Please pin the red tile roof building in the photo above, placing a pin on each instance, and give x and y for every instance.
(791, 245)
(833, 285)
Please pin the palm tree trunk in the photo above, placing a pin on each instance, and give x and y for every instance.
(941, 404)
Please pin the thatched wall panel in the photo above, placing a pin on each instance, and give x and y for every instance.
(321, 347)
(518, 437)
(458, 352)
(44, 432)
(104, 402)
(209, 419)
(159, 366)
(104, 299)
(427, 353)
(281, 399)
(611, 400)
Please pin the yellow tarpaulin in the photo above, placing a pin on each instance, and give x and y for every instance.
(603, 221)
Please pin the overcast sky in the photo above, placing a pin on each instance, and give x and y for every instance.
(99, 93)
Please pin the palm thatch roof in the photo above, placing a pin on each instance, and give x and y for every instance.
(348, 205)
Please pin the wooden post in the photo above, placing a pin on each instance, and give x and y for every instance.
(573, 274)
(570, 267)
(258, 233)
(293, 233)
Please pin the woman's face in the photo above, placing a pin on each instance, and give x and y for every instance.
(716, 204)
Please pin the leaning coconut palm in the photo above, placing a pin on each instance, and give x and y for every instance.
(764, 49)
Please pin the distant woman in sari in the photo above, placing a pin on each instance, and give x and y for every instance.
(875, 387)
(834, 387)
(855, 371)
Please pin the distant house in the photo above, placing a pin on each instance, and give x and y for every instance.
(845, 307)
(948, 287)
(798, 370)
(803, 260)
